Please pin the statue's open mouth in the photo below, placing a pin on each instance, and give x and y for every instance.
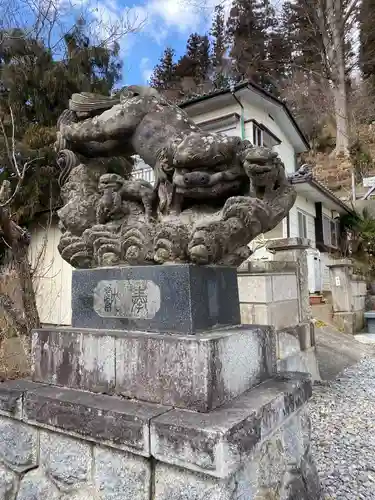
(209, 184)
(231, 188)
(261, 169)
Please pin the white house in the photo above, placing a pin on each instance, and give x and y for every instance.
(251, 113)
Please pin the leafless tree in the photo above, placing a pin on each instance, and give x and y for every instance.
(48, 21)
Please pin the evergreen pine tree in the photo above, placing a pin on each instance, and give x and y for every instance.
(164, 74)
(195, 63)
(220, 64)
(219, 37)
(304, 40)
(192, 46)
(249, 28)
(204, 59)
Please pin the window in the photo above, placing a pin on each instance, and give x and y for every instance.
(145, 174)
(330, 232)
(257, 135)
(263, 137)
(302, 225)
(334, 235)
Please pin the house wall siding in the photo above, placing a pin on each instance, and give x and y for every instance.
(52, 275)
(215, 113)
(326, 211)
(251, 112)
(285, 149)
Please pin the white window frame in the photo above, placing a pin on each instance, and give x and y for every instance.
(262, 136)
(328, 224)
(257, 135)
(304, 219)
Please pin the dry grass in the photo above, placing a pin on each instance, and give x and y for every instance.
(14, 356)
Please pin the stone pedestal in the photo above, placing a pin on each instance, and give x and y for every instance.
(193, 412)
(174, 298)
(199, 372)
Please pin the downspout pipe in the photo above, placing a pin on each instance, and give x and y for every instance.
(242, 119)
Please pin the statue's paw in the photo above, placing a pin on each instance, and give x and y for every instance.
(137, 243)
(236, 257)
(75, 251)
(199, 253)
(107, 251)
(170, 243)
(248, 212)
(104, 244)
(238, 205)
(207, 242)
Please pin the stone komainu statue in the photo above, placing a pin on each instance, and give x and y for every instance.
(212, 194)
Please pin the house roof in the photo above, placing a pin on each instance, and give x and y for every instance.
(307, 185)
(255, 88)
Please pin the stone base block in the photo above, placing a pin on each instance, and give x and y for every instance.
(61, 444)
(215, 443)
(296, 350)
(199, 372)
(174, 299)
(304, 338)
(349, 322)
(279, 314)
(302, 361)
(106, 420)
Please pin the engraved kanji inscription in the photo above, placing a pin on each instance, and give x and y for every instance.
(132, 299)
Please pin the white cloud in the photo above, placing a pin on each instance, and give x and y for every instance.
(175, 13)
(155, 18)
(184, 16)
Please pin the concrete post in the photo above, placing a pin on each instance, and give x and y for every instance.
(340, 278)
(342, 297)
(294, 250)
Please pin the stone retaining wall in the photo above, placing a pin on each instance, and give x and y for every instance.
(63, 444)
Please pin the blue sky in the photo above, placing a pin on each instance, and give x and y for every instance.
(163, 23)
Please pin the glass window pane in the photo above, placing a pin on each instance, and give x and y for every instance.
(302, 225)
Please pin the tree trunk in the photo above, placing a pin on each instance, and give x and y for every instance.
(341, 116)
(335, 17)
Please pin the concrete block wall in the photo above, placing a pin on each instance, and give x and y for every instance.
(271, 293)
(268, 298)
